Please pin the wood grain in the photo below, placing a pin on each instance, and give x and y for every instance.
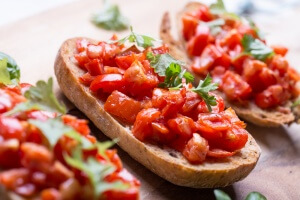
(34, 42)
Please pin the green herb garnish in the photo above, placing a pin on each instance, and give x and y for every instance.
(95, 171)
(110, 18)
(220, 195)
(141, 40)
(256, 48)
(40, 97)
(174, 76)
(161, 62)
(9, 70)
(203, 89)
(219, 8)
(296, 103)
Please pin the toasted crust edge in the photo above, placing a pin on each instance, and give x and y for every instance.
(252, 113)
(175, 169)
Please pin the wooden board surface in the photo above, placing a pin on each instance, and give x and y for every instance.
(34, 42)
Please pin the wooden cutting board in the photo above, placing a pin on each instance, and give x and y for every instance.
(34, 42)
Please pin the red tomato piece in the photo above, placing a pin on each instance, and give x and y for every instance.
(161, 50)
(272, 96)
(122, 106)
(9, 153)
(13, 178)
(219, 153)
(231, 39)
(280, 64)
(80, 125)
(189, 24)
(196, 149)
(235, 87)
(278, 49)
(267, 77)
(234, 139)
(170, 102)
(129, 194)
(113, 70)
(82, 59)
(142, 128)
(87, 79)
(161, 133)
(94, 51)
(238, 62)
(215, 121)
(108, 83)
(94, 67)
(115, 159)
(199, 41)
(50, 194)
(81, 45)
(125, 61)
(183, 126)
(192, 100)
(11, 128)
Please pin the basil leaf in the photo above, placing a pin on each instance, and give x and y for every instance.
(161, 62)
(220, 195)
(203, 89)
(256, 48)
(11, 67)
(110, 18)
(255, 196)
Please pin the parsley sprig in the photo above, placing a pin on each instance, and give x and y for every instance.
(219, 8)
(39, 97)
(9, 70)
(220, 195)
(256, 48)
(170, 68)
(140, 40)
(110, 18)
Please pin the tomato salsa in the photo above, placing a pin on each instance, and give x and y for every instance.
(233, 50)
(136, 91)
(33, 166)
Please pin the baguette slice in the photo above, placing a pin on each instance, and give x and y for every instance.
(251, 113)
(167, 163)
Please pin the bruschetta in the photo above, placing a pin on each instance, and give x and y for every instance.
(46, 154)
(254, 79)
(139, 94)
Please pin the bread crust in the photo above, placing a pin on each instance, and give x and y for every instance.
(167, 163)
(251, 113)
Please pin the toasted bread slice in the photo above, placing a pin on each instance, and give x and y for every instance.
(165, 162)
(251, 113)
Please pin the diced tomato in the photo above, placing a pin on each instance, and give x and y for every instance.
(80, 125)
(9, 153)
(8, 99)
(192, 100)
(281, 50)
(13, 178)
(142, 128)
(170, 102)
(280, 64)
(219, 153)
(11, 128)
(125, 176)
(94, 51)
(205, 62)
(189, 24)
(183, 126)
(215, 121)
(140, 79)
(244, 29)
(235, 87)
(94, 67)
(26, 190)
(231, 39)
(196, 149)
(125, 61)
(50, 194)
(113, 70)
(122, 106)
(81, 45)
(87, 79)
(267, 77)
(161, 50)
(204, 13)
(271, 97)
(39, 114)
(114, 158)
(129, 194)
(35, 157)
(238, 62)
(82, 59)
(161, 133)
(108, 83)
(199, 41)
(234, 139)
(251, 74)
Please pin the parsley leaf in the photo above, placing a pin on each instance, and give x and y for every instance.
(202, 90)
(141, 40)
(161, 62)
(110, 18)
(255, 196)
(296, 103)
(218, 7)
(11, 67)
(214, 25)
(40, 97)
(174, 76)
(95, 171)
(220, 195)
(256, 48)
(4, 74)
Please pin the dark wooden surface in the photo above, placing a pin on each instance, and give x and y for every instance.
(34, 42)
